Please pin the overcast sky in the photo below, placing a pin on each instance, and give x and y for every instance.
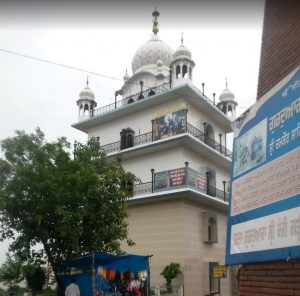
(223, 36)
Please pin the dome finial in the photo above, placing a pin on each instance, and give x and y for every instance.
(126, 76)
(181, 38)
(155, 15)
(226, 83)
(87, 80)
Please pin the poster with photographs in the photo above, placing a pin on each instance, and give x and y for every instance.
(250, 149)
(169, 124)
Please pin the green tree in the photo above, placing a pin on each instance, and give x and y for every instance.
(16, 269)
(170, 272)
(35, 278)
(69, 204)
(11, 271)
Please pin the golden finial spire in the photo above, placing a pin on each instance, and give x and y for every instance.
(155, 15)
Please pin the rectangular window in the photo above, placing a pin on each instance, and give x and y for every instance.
(214, 283)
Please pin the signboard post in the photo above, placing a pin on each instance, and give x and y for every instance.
(264, 218)
(219, 271)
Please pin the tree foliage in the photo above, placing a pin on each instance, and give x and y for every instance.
(35, 278)
(11, 271)
(70, 204)
(16, 269)
(170, 272)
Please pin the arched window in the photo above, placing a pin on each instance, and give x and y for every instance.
(184, 71)
(210, 227)
(209, 135)
(230, 111)
(127, 138)
(178, 74)
(86, 110)
(211, 182)
(224, 108)
(130, 101)
(80, 110)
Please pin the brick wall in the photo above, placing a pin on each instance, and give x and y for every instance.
(280, 49)
(269, 279)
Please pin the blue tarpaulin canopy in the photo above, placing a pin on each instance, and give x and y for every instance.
(82, 268)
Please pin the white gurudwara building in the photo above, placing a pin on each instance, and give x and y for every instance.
(173, 138)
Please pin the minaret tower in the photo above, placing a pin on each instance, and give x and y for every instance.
(86, 102)
(227, 104)
(182, 64)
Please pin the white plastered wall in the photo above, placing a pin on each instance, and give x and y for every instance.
(159, 161)
(139, 121)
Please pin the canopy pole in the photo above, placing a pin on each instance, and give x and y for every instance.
(148, 276)
(93, 275)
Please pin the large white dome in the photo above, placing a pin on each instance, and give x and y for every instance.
(150, 52)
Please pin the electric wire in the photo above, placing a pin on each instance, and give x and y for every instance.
(86, 71)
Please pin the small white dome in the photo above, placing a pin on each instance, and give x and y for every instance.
(150, 52)
(182, 52)
(226, 95)
(86, 94)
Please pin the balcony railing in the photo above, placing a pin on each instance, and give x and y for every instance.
(207, 140)
(130, 99)
(147, 138)
(142, 188)
(145, 94)
(142, 139)
(179, 178)
(220, 194)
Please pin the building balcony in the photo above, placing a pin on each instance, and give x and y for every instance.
(180, 178)
(149, 98)
(138, 97)
(148, 138)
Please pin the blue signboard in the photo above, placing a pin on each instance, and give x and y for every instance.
(264, 217)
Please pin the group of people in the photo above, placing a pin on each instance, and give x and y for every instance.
(127, 286)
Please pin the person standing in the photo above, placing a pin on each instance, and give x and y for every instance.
(72, 289)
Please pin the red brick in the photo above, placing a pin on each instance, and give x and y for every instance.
(276, 281)
(255, 272)
(275, 272)
(255, 278)
(292, 272)
(270, 279)
(280, 43)
(287, 279)
(294, 286)
(284, 266)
